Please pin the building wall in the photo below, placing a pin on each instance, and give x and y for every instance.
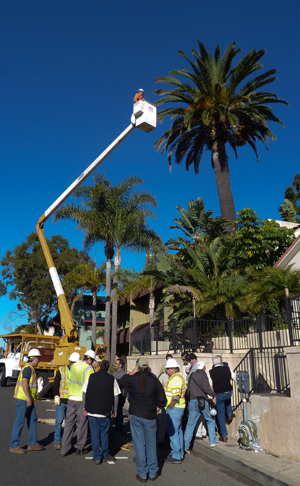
(83, 318)
(276, 416)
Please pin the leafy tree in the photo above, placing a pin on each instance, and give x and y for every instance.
(290, 208)
(25, 270)
(115, 215)
(212, 109)
(84, 278)
(259, 244)
(26, 328)
(288, 212)
(268, 285)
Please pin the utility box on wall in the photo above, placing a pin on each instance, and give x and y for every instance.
(243, 381)
(145, 115)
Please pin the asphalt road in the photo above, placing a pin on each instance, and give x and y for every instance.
(48, 468)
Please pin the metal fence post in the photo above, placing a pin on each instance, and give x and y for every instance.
(259, 332)
(252, 368)
(156, 338)
(230, 336)
(195, 335)
(142, 352)
(174, 337)
(289, 319)
(130, 344)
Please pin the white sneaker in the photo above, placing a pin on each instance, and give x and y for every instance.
(187, 451)
(214, 445)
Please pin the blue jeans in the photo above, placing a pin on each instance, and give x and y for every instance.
(223, 405)
(60, 413)
(194, 414)
(143, 432)
(23, 412)
(174, 428)
(99, 427)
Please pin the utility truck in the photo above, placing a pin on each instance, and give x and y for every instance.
(55, 351)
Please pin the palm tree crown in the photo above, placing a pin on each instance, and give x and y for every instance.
(212, 110)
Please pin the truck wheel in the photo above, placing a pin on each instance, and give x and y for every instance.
(42, 381)
(3, 380)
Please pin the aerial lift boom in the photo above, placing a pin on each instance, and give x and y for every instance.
(143, 117)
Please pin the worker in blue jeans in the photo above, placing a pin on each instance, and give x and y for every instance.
(198, 387)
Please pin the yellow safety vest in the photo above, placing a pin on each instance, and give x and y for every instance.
(64, 382)
(32, 385)
(78, 374)
(176, 386)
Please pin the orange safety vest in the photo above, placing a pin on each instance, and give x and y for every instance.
(32, 385)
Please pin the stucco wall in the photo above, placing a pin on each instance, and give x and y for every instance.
(277, 417)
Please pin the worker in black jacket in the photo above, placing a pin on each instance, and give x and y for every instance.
(100, 397)
(146, 396)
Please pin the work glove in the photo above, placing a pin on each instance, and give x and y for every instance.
(57, 400)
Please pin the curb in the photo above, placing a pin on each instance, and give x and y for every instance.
(255, 473)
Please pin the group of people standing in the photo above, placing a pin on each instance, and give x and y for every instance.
(88, 398)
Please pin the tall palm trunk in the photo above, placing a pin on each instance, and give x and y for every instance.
(114, 320)
(94, 320)
(220, 165)
(109, 253)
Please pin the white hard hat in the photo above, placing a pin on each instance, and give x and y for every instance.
(34, 353)
(90, 354)
(75, 357)
(98, 359)
(172, 363)
(141, 89)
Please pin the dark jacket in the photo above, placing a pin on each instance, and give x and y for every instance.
(198, 386)
(99, 398)
(144, 404)
(221, 378)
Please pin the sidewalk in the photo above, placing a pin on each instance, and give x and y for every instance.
(262, 467)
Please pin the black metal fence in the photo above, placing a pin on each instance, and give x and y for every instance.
(268, 373)
(202, 335)
(293, 314)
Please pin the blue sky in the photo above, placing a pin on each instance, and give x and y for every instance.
(69, 71)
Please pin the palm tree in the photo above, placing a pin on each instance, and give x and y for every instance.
(211, 109)
(86, 278)
(133, 283)
(195, 222)
(116, 216)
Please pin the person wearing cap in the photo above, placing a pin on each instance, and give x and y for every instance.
(26, 392)
(60, 392)
(146, 395)
(191, 358)
(100, 397)
(139, 95)
(78, 374)
(175, 393)
(198, 387)
(221, 377)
